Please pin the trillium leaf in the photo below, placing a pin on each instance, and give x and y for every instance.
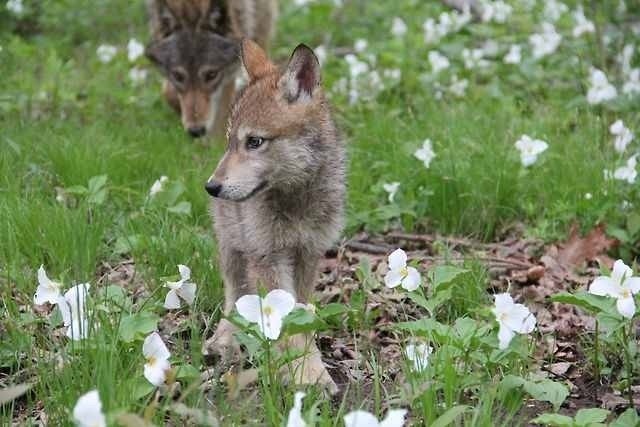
(333, 309)
(629, 418)
(610, 322)
(592, 303)
(443, 275)
(182, 208)
(553, 420)
(449, 416)
(301, 320)
(169, 196)
(548, 391)
(186, 371)
(136, 325)
(588, 416)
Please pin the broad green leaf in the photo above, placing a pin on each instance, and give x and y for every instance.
(585, 417)
(301, 320)
(125, 244)
(137, 325)
(589, 302)
(629, 418)
(449, 416)
(548, 391)
(96, 183)
(182, 208)
(610, 323)
(553, 420)
(332, 309)
(76, 189)
(444, 274)
(169, 195)
(186, 371)
(427, 326)
(142, 387)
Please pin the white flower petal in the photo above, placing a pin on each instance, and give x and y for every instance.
(78, 329)
(65, 310)
(503, 302)
(360, 418)
(156, 372)
(505, 335)
(248, 306)
(46, 294)
(393, 278)
(282, 301)
(519, 319)
(397, 259)
(187, 292)
(185, 272)
(605, 286)
(620, 271)
(172, 301)
(626, 306)
(295, 414)
(394, 418)
(633, 284)
(271, 326)
(154, 347)
(412, 281)
(88, 411)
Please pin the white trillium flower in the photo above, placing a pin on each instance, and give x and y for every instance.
(391, 188)
(15, 6)
(546, 42)
(73, 310)
(497, 11)
(621, 285)
(48, 290)
(135, 49)
(360, 418)
(514, 56)
(431, 32)
(474, 58)
(600, 89)
(425, 154)
(530, 149)
(622, 135)
(106, 52)
(398, 27)
(438, 61)
(182, 289)
(418, 353)
(157, 355)
(137, 75)
(458, 87)
(356, 66)
(627, 172)
(632, 85)
(401, 274)
(295, 414)
(625, 58)
(158, 186)
(512, 318)
(88, 411)
(267, 312)
(360, 45)
(583, 25)
(554, 9)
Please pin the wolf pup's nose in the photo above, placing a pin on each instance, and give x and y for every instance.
(197, 131)
(213, 188)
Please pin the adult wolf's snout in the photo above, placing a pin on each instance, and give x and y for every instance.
(197, 131)
(213, 188)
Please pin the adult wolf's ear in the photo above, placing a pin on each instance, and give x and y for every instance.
(158, 51)
(163, 21)
(302, 75)
(255, 60)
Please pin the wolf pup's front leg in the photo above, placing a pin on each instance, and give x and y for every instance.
(279, 191)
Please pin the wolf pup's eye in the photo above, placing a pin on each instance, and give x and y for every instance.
(254, 142)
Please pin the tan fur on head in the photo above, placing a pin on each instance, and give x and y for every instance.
(255, 60)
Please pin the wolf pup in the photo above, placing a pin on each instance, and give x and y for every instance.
(195, 45)
(279, 192)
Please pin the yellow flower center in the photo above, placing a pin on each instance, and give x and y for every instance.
(503, 317)
(267, 310)
(404, 272)
(626, 293)
(151, 360)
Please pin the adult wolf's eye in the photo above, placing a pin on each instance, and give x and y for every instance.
(178, 76)
(254, 142)
(210, 76)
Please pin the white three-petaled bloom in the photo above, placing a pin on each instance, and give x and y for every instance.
(622, 135)
(627, 172)
(458, 87)
(137, 75)
(88, 411)
(135, 49)
(182, 289)
(157, 355)
(438, 61)
(106, 52)
(583, 25)
(497, 11)
(632, 85)
(360, 45)
(426, 153)
(512, 318)
(530, 149)
(267, 312)
(48, 290)
(15, 6)
(73, 310)
(514, 56)
(621, 286)
(545, 42)
(418, 353)
(400, 274)
(391, 188)
(600, 89)
(398, 27)
(394, 418)
(158, 186)
(295, 414)
(474, 58)
(554, 9)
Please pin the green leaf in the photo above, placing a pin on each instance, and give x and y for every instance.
(589, 302)
(548, 391)
(137, 325)
(182, 208)
(553, 420)
(96, 183)
(444, 274)
(169, 195)
(142, 388)
(126, 244)
(186, 371)
(629, 418)
(76, 189)
(585, 417)
(610, 323)
(332, 309)
(449, 416)
(301, 320)
(427, 326)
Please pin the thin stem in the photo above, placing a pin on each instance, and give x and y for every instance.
(597, 351)
(626, 332)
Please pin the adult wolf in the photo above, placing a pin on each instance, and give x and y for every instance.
(279, 192)
(195, 45)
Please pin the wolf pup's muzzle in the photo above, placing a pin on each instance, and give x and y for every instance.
(213, 188)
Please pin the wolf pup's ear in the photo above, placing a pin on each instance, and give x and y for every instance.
(302, 76)
(255, 60)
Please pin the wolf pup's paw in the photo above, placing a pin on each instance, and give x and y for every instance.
(309, 369)
(222, 344)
